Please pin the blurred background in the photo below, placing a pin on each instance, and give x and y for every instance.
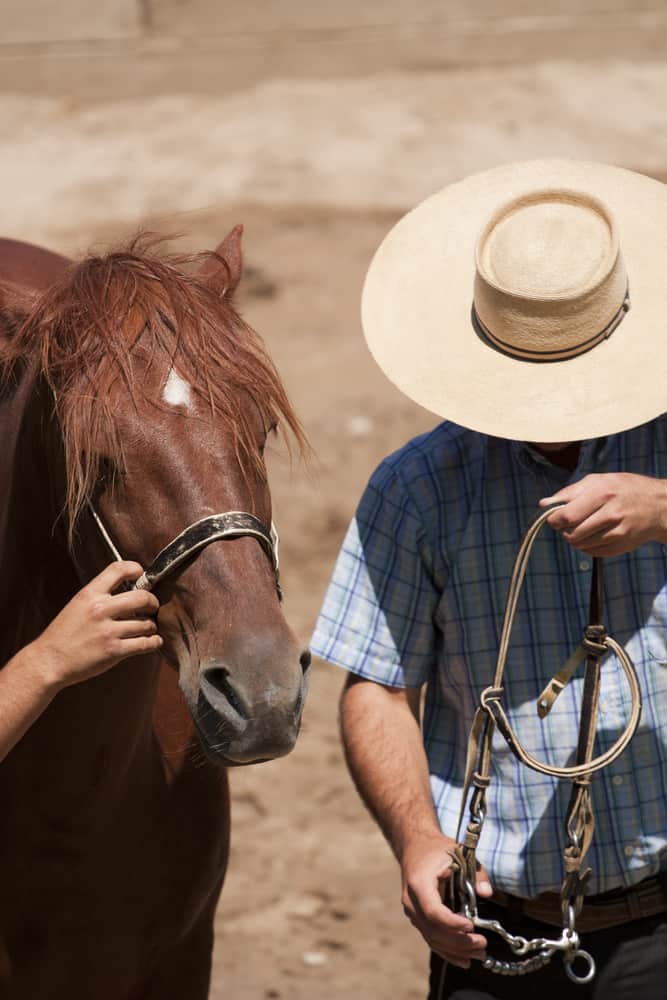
(316, 125)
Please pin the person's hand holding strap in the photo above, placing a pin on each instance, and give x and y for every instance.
(99, 627)
(426, 867)
(608, 514)
(95, 630)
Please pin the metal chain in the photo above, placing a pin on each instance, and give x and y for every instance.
(546, 948)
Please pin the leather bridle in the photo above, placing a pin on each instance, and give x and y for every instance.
(196, 537)
(579, 822)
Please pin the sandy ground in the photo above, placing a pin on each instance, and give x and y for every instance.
(316, 131)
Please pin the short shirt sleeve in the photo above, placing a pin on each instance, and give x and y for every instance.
(377, 619)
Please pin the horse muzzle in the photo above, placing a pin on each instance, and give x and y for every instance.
(242, 723)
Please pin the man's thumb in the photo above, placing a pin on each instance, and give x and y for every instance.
(483, 885)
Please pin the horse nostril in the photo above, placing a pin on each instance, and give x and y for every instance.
(304, 660)
(218, 680)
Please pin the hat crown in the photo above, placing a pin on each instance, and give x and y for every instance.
(550, 279)
(551, 245)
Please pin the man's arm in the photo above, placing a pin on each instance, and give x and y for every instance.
(95, 630)
(385, 755)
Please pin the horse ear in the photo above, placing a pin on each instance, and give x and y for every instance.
(224, 279)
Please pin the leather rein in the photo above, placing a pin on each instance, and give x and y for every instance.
(579, 823)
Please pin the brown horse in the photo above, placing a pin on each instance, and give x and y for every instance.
(131, 388)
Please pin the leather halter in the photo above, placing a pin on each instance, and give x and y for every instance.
(579, 822)
(196, 537)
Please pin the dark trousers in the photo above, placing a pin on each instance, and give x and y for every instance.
(631, 963)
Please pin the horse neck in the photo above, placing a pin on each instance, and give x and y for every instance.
(28, 549)
(110, 715)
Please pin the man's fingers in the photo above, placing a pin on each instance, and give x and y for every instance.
(602, 550)
(141, 645)
(483, 885)
(575, 512)
(135, 627)
(595, 523)
(430, 909)
(565, 495)
(459, 949)
(115, 574)
(455, 946)
(449, 934)
(464, 945)
(134, 602)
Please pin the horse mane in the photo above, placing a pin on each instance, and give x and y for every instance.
(16, 303)
(87, 331)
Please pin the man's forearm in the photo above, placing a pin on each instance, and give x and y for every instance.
(27, 687)
(385, 755)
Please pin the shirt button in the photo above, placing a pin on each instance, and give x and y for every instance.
(617, 779)
(628, 850)
(584, 565)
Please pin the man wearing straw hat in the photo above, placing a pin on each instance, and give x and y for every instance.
(526, 306)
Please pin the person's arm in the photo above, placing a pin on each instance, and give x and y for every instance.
(385, 754)
(608, 514)
(94, 631)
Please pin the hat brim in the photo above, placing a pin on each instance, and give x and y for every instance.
(417, 301)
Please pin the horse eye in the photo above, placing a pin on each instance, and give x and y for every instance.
(273, 429)
(107, 472)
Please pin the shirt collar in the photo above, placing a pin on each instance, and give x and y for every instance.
(592, 454)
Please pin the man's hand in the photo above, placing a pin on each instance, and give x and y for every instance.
(98, 628)
(426, 866)
(608, 514)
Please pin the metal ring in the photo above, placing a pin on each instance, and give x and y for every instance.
(478, 813)
(471, 901)
(575, 839)
(571, 974)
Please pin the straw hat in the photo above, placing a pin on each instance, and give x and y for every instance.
(528, 301)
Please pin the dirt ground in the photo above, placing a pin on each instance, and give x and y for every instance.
(316, 128)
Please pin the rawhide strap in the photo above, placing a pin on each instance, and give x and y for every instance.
(579, 820)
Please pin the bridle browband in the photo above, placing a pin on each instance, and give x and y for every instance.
(579, 821)
(196, 537)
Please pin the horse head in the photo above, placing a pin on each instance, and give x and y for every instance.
(163, 401)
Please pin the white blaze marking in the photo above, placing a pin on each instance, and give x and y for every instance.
(176, 390)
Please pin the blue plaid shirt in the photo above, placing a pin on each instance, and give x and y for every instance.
(417, 597)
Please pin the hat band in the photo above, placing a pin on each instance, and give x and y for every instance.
(560, 354)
